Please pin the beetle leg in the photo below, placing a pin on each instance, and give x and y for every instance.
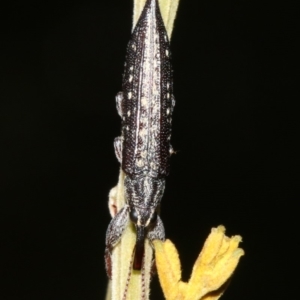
(157, 232)
(118, 144)
(173, 102)
(114, 233)
(112, 201)
(171, 150)
(119, 102)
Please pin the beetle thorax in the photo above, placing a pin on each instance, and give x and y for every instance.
(143, 194)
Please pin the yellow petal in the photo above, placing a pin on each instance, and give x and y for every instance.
(226, 263)
(216, 263)
(168, 268)
(212, 246)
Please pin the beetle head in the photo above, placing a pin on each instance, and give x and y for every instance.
(143, 195)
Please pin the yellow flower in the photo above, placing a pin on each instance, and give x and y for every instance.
(214, 265)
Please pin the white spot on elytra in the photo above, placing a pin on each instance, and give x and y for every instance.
(144, 154)
(129, 95)
(140, 163)
(168, 95)
(166, 38)
(154, 128)
(133, 47)
(143, 132)
(130, 78)
(144, 101)
(155, 108)
(167, 53)
(153, 165)
(127, 127)
(168, 111)
(168, 85)
(131, 68)
(128, 113)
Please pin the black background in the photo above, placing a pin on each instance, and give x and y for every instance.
(233, 129)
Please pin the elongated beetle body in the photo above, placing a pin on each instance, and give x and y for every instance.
(145, 105)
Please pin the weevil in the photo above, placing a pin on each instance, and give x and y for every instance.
(145, 106)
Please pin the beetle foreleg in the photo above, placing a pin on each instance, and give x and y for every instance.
(118, 144)
(119, 102)
(114, 232)
(157, 232)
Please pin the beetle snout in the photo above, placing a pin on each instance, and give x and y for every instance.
(139, 247)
